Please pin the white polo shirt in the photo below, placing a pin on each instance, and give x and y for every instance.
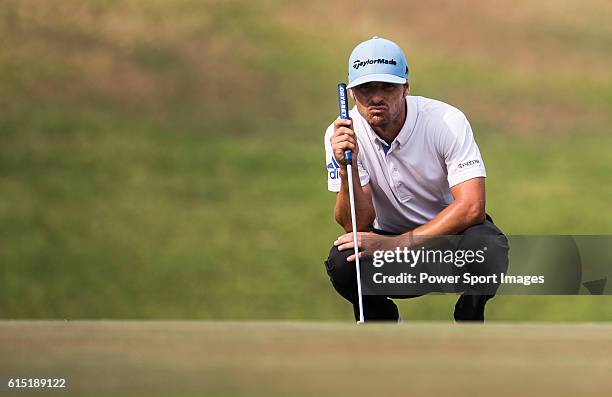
(411, 183)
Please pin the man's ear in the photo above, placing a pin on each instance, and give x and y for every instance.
(350, 91)
(407, 88)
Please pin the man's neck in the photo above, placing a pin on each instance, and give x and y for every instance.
(390, 131)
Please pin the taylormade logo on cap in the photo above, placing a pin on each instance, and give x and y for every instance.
(357, 63)
(377, 59)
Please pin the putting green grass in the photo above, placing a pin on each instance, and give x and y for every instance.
(164, 160)
(134, 358)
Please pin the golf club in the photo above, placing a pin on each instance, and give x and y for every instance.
(348, 157)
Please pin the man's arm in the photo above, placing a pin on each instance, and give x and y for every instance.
(343, 139)
(364, 208)
(466, 210)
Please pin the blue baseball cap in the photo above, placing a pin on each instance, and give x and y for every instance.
(377, 59)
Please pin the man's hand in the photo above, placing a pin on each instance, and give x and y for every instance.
(368, 242)
(344, 139)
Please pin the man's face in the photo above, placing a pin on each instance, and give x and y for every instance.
(380, 103)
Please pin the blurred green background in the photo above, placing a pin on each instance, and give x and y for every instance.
(164, 159)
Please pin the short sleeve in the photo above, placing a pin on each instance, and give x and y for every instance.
(461, 153)
(333, 168)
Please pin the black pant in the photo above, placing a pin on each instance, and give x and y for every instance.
(343, 277)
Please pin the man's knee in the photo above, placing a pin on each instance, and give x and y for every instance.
(342, 273)
(488, 239)
(486, 228)
(486, 236)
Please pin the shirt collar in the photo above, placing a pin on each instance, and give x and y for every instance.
(412, 111)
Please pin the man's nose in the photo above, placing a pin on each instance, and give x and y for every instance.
(377, 96)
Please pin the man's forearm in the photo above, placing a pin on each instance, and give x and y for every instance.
(363, 206)
(454, 219)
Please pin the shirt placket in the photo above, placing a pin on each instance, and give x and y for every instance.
(392, 168)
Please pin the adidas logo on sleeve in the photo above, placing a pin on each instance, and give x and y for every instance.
(333, 168)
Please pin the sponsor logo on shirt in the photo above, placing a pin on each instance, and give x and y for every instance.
(468, 163)
(359, 63)
(333, 168)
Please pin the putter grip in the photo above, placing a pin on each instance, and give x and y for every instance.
(344, 114)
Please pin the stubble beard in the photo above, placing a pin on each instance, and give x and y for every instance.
(377, 121)
(384, 121)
